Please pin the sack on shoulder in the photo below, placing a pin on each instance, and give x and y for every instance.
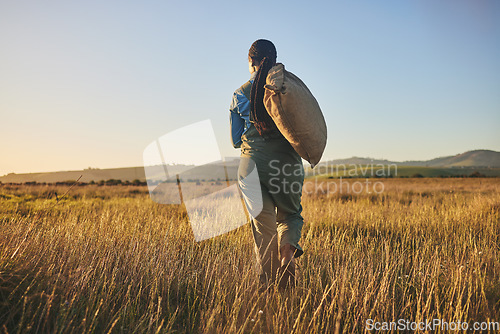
(296, 113)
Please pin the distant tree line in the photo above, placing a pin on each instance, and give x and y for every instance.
(110, 182)
(137, 182)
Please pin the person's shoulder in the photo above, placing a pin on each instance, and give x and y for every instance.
(244, 90)
(239, 89)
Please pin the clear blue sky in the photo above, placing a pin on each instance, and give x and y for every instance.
(92, 83)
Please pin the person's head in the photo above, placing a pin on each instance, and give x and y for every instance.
(260, 49)
(261, 57)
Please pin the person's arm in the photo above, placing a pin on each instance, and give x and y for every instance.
(239, 107)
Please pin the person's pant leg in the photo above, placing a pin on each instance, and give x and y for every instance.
(265, 235)
(264, 229)
(289, 208)
(289, 229)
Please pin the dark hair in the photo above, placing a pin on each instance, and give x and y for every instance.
(264, 52)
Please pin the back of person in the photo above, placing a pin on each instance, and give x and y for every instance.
(277, 227)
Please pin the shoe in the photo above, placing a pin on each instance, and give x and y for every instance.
(286, 278)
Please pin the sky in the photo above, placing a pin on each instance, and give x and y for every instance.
(93, 83)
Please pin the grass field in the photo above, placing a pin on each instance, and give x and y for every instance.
(109, 260)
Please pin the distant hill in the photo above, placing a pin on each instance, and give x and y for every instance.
(356, 161)
(476, 158)
(467, 161)
(124, 174)
(94, 174)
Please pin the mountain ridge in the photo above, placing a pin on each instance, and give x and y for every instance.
(474, 158)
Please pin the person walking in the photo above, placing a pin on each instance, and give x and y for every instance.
(277, 225)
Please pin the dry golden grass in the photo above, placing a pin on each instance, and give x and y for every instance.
(108, 259)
